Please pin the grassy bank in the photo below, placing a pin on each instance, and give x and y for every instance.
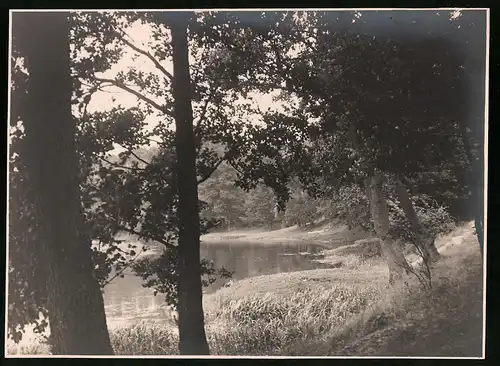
(343, 311)
(330, 236)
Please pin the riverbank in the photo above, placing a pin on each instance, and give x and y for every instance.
(345, 311)
(328, 236)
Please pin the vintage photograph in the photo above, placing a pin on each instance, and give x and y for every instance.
(247, 183)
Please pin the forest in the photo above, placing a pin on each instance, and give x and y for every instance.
(175, 127)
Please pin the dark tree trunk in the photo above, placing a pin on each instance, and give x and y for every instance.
(75, 303)
(476, 182)
(477, 176)
(379, 212)
(192, 338)
(425, 243)
(391, 249)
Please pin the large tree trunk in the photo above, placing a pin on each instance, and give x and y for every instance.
(391, 249)
(424, 243)
(75, 304)
(192, 338)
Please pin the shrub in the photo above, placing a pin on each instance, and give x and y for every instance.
(301, 209)
(434, 218)
(349, 204)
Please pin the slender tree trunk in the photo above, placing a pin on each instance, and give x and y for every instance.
(75, 304)
(192, 338)
(391, 249)
(425, 243)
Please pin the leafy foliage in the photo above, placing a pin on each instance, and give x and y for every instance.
(260, 207)
(353, 102)
(434, 219)
(26, 268)
(162, 276)
(300, 209)
(224, 200)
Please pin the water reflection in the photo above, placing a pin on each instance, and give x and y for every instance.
(248, 260)
(126, 299)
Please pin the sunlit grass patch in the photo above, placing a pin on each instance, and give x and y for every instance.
(307, 306)
(37, 348)
(407, 311)
(145, 339)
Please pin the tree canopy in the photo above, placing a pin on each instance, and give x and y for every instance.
(356, 98)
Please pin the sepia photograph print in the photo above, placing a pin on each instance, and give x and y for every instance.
(247, 183)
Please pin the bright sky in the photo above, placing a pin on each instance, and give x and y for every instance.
(140, 35)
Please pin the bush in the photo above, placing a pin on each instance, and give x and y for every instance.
(434, 218)
(350, 205)
(300, 210)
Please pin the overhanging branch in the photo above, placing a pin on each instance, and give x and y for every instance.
(122, 86)
(148, 55)
(135, 155)
(236, 168)
(211, 171)
(120, 272)
(154, 238)
(118, 165)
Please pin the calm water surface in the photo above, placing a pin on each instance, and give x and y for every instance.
(126, 300)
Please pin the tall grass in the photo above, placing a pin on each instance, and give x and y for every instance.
(319, 318)
(258, 325)
(144, 339)
(36, 348)
(320, 312)
(274, 325)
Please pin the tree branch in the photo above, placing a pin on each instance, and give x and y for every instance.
(211, 171)
(204, 109)
(135, 155)
(97, 88)
(117, 274)
(161, 143)
(154, 238)
(236, 168)
(138, 158)
(118, 165)
(147, 54)
(121, 85)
